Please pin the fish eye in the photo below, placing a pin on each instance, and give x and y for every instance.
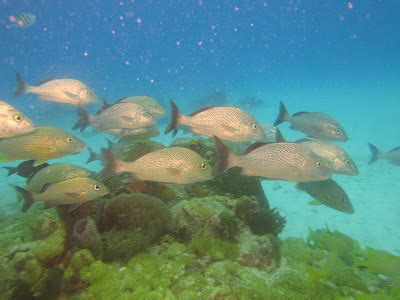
(341, 199)
(96, 187)
(69, 140)
(255, 126)
(318, 164)
(203, 166)
(146, 114)
(18, 117)
(347, 161)
(338, 130)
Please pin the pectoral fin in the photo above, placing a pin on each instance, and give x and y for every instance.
(74, 195)
(174, 172)
(128, 119)
(39, 162)
(229, 128)
(71, 95)
(314, 202)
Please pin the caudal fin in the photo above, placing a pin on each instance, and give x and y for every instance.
(283, 115)
(11, 170)
(110, 163)
(375, 154)
(279, 137)
(225, 157)
(174, 123)
(93, 156)
(83, 120)
(27, 197)
(104, 107)
(22, 86)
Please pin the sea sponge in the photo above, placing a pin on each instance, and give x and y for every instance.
(86, 235)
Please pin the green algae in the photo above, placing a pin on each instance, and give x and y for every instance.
(217, 249)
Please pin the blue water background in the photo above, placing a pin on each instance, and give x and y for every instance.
(313, 55)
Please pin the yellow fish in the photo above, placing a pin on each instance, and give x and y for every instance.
(41, 145)
(13, 122)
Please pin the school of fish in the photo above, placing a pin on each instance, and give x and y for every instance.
(310, 162)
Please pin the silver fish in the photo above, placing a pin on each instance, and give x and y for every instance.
(314, 124)
(280, 161)
(328, 192)
(393, 156)
(116, 117)
(13, 122)
(227, 122)
(67, 91)
(168, 165)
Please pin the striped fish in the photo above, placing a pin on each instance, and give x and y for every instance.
(23, 20)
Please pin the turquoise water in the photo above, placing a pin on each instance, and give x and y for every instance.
(336, 57)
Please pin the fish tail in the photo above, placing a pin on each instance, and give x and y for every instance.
(11, 170)
(175, 116)
(83, 119)
(105, 106)
(279, 137)
(111, 164)
(226, 159)
(22, 86)
(283, 115)
(375, 154)
(93, 156)
(27, 197)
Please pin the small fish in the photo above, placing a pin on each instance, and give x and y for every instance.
(13, 122)
(67, 91)
(393, 156)
(335, 158)
(116, 117)
(23, 20)
(53, 174)
(279, 161)
(314, 124)
(72, 191)
(25, 169)
(148, 103)
(328, 192)
(168, 165)
(43, 144)
(227, 122)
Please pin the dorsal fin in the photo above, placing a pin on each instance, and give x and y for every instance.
(254, 146)
(43, 81)
(394, 149)
(279, 137)
(121, 99)
(300, 113)
(201, 110)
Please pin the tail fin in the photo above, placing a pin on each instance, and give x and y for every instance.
(27, 197)
(174, 123)
(283, 115)
(22, 86)
(105, 106)
(279, 137)
(83, 120)
(11, 170)
(375, 154)
(109, 162)
(225, 157)
(93, 156)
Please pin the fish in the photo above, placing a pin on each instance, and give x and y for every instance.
(72, 191)
(13, 122)
(393, 156)
(116, 117)
(53, 174)
(43, 144)
(314, 124)
(226, 122)
(167, 165)
(275, 161)
(335, 158)
(67, 91)
(25, 169)
(22, 20)
(215, 97)
(329, 193)
(148, 103)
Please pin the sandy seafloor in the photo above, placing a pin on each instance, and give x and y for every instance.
(368, 115)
